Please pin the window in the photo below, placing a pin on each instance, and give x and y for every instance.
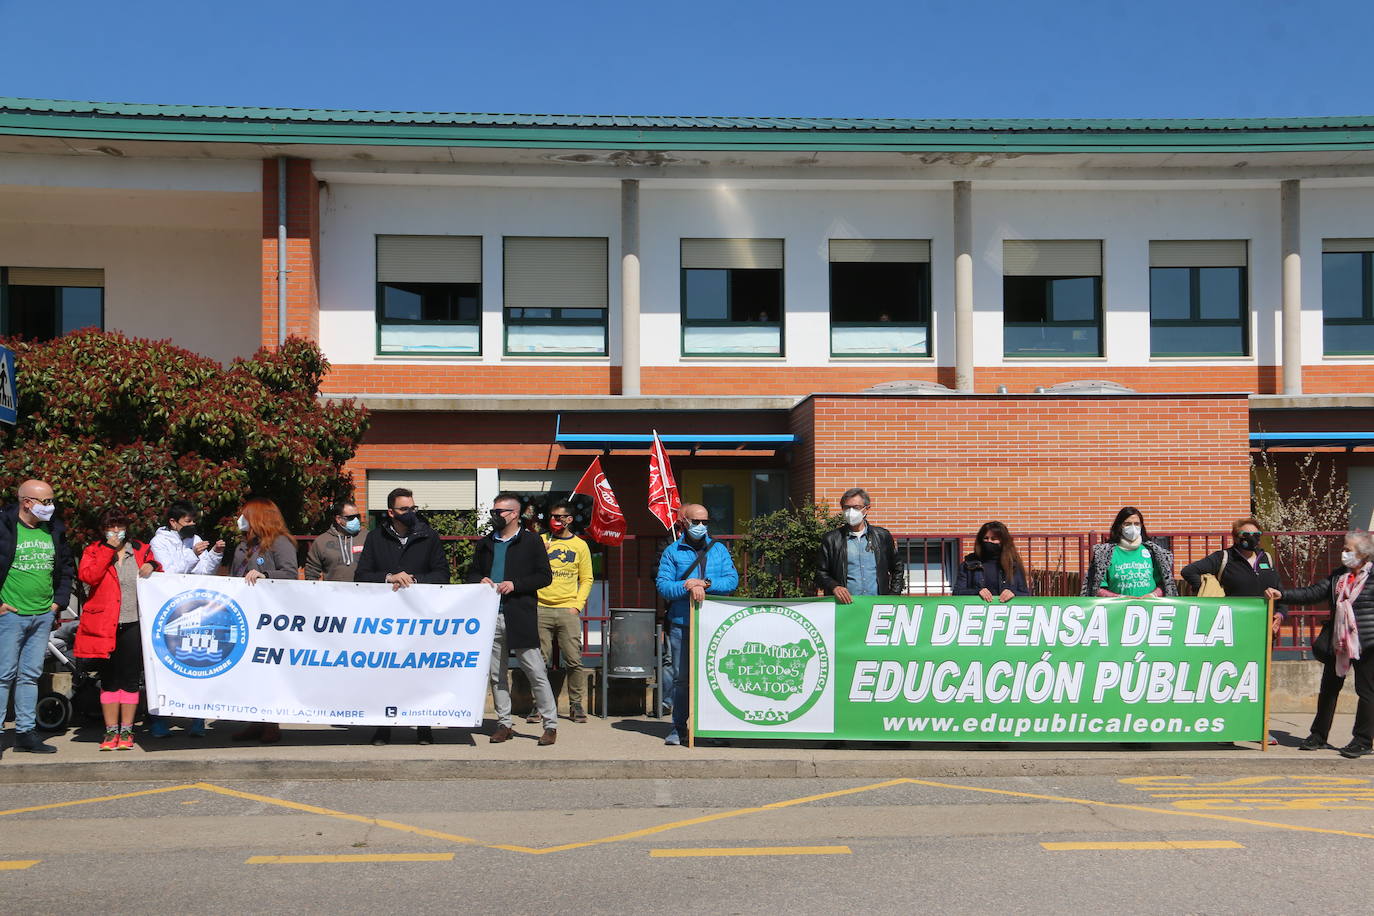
(732, 297)
(1052, 298)
(556, 296)
(1199, 302)
(879, 297)
(1348, 296)
(429, 294)
(435, 491)
(40, 303)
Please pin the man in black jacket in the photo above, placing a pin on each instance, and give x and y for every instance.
(402, 550)
(859, 558)
(35, 583)
(515, 563)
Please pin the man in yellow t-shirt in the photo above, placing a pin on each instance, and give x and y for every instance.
(561, 603)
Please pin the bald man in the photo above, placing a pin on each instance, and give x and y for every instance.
(35, 581)
(691, 568)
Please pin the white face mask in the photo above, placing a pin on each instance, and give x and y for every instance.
(1130, 532)
(243, 523)
(1350, 559)
(854, 516)
(43, 513)
(117, 536)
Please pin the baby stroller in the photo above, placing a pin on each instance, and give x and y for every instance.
(67, 689)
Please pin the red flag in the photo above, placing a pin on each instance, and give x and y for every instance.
(608, 522)
(664, 501)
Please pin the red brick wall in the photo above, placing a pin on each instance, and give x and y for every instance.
(302, 251)
(1040, 464)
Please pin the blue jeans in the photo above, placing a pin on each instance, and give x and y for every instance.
(680, 642)
(23, 646)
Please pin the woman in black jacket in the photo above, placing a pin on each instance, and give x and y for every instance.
(1244, 569)
(994, 570)
(1350, 592)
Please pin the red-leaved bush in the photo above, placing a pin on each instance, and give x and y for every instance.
(111, 420)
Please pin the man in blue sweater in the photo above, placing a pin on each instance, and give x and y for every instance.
(691, 568)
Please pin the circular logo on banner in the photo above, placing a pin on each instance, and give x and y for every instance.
(200, 633)
(767, 665)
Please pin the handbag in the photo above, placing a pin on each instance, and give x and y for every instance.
(1322, 650)
(1211, 586)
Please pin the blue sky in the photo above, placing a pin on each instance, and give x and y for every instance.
(923, 58)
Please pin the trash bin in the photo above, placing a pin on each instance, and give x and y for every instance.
(631, 654)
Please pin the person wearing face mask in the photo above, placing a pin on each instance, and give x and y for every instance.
(562, 602)
(993, 571)
(1244, 569)
(109, 629)
(36, 572)
(1349, 638)
(178, 549)
(334, 555)
(267, 551)
(515, 562)
(691, 568)
(859, 558)
(1128, 564)
(402, 551)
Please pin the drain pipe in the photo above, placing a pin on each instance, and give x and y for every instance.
(281, 251)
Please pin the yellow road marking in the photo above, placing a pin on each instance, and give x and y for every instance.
(18, 864)
(1165, 811)
(103, 798)
(749, 851)
(704, 819)
(357, 857)
(342, 815)
(1144, 844)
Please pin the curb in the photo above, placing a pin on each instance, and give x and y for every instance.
(968, 766)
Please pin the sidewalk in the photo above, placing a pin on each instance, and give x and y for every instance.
(634, 749)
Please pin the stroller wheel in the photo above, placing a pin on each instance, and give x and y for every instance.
(53, 712)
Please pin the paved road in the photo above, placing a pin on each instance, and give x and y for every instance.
(669, 846)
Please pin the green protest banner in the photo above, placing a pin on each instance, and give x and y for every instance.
(959, 669)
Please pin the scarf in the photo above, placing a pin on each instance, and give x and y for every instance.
(1346, 633)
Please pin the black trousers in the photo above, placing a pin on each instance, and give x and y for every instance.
(123, 670)
(1363, 670)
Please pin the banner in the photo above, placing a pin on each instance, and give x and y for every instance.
(664, 502)
(608, 522)
(337, 653)
(959, 669)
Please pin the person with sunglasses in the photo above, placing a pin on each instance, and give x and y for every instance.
(36, 572)
(334, 555)
(561, 605)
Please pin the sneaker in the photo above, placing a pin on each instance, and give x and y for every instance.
(196, 728)
(126, 739)
(577, 713)
(502, 733)
(1356, 749)
(673, 739)
(382, 736)
(424, 735)
(159, 728)
(111, 739)
(549, 737)
(30, 743)
(1313, 743)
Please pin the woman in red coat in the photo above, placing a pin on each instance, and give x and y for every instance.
(109, 623)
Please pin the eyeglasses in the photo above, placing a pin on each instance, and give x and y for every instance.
(46, 502)
(351, 518)
(563, 517)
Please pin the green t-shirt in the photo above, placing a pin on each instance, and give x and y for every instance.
(28, 585)
(1131, 572)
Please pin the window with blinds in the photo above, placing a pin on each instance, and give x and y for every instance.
(1199, 298)
(429, 295)
(732, 297)
(1052, 298)
(880, 297)
(41, 303)
(1348, 297)
(556, 295)
(434, 491)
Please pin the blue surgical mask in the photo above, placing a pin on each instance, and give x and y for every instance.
(697, 532)
(353, 525)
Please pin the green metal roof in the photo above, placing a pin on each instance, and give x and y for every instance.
(195, 123)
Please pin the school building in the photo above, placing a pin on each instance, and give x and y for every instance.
(1031, 320)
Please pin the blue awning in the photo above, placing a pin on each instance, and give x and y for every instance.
(608, 442)
(1311, 440)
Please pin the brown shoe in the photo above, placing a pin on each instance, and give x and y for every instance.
(271, 733)
(248, 733)
(549, 737)
(502, 733)
(577, 714)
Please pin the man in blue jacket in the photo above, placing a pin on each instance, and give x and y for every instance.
(691, 568)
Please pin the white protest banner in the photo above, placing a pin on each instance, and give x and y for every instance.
(284, 650)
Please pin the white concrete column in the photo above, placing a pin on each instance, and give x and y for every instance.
(963, 285)
(488, 485)
(629, 286)
(1290, 210)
